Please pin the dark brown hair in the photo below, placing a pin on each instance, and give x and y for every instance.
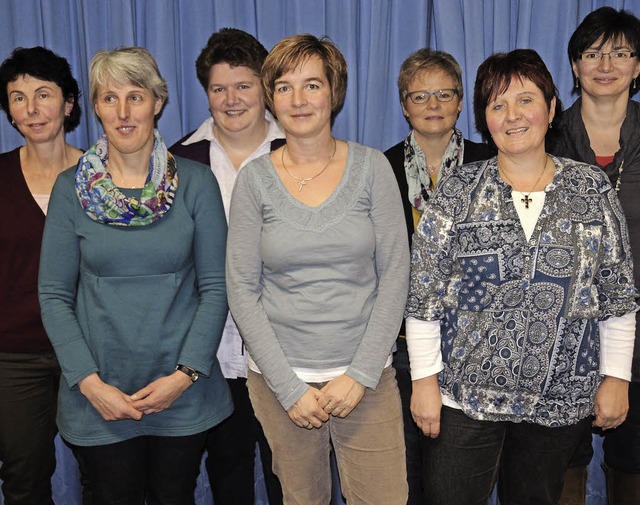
(497, 72)
(607, 25)
(232, 46)
(43, 64)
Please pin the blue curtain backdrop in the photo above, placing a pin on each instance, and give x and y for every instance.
(374, 35)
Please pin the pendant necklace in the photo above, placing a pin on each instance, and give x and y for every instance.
(303, 181)
(527, 196)
(620, 169)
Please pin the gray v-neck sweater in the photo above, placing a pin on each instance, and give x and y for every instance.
(318, 287)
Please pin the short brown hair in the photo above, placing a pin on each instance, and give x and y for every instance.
(232, 46)
(292, 51)
(607, 25)
(497, 72)
(427, 59)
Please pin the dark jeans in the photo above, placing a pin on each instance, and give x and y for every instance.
(160, 470)
(412, 433)
(622, 445)
(463, 463)
(231, 447)
(28, 395)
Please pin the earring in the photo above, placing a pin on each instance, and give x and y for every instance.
(577, 85)
(13, 121)
(550, 125)
(633, 86)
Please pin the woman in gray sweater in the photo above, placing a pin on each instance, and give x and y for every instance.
(317, 269)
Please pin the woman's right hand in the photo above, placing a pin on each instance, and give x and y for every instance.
(306, 412)
(111, 403)
(426, 404)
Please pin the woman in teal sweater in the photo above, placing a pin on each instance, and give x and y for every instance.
(133, 296)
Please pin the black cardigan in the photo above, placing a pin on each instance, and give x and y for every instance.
(572, 141)
(472, 152)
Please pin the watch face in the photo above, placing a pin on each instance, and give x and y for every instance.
(189, 372)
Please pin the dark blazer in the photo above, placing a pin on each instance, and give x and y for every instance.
(199, 151)
(472, 152)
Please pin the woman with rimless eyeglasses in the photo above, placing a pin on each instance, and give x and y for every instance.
(602, 128)
(430, 87)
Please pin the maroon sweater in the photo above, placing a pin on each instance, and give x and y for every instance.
(21, 226)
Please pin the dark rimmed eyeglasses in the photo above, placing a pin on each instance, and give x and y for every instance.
(617, 55)
(421, 96)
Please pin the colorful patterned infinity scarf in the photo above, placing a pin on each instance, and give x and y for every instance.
(104, 202)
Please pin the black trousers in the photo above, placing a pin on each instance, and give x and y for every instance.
(621, 446)
(462, 464)
(160, 470)
(231, 449)
(28, 397)
(412, 433)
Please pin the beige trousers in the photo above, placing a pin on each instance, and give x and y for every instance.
(368, 443)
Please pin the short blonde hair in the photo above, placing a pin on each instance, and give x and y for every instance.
(126, 66)
(424, 60)
(292, 51)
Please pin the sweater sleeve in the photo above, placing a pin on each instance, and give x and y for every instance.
(392, 268)
(209, 245)
(57, 284)
(244, 281)
(614, 278)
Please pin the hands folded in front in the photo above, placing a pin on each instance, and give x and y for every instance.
(338, 398)
(112, 404)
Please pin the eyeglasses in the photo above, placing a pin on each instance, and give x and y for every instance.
(421, 96)
(618, 55)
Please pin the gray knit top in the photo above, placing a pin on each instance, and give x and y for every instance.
(318, 287)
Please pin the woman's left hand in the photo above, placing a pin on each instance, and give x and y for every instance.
(161, 393)
(341, 395)
(612, 403)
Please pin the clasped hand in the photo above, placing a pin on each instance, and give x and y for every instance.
(338, 397)
(112, 404)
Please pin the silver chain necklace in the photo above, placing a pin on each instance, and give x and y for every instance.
(303, 181)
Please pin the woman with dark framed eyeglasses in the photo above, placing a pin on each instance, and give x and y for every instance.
(602, 128)
(431, 92)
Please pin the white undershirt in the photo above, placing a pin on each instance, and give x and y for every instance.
(528, 216)
(42, 200)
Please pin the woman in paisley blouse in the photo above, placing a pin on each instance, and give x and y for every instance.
(602, 128)
(521, 306)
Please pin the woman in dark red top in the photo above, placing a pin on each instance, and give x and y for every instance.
(602, 128)
(40, 97)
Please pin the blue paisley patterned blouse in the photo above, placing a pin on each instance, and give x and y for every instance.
(519, 319)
